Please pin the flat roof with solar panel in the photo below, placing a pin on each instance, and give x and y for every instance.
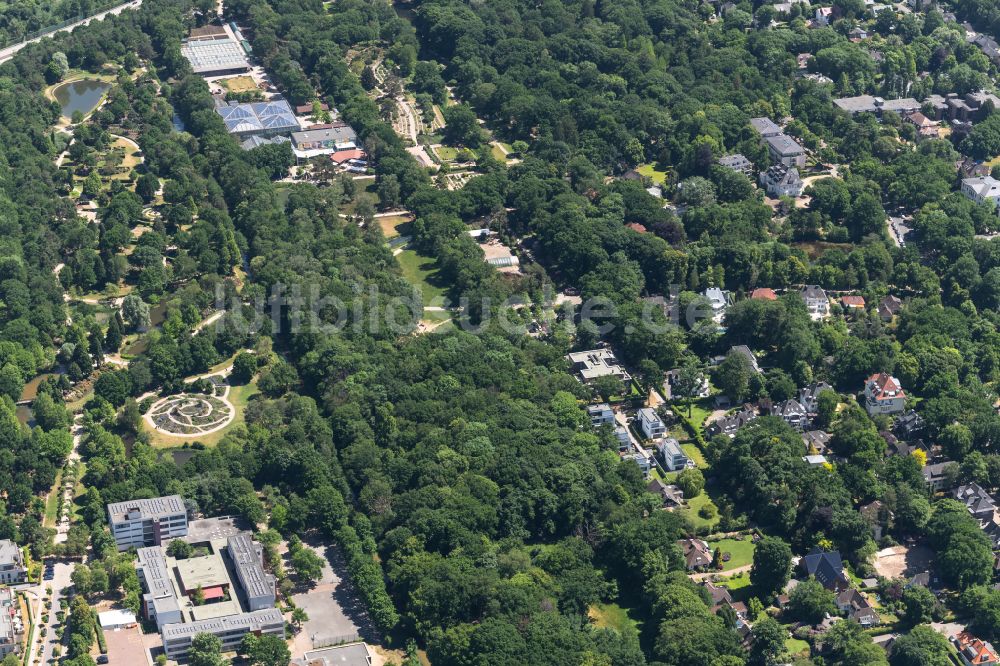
(215, 56)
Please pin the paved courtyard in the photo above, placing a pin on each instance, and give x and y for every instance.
(125, 646)
(336, 614)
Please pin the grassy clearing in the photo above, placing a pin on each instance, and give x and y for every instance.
(52, 502)
(239, 84)
(422, 273)
(131, 159)
(613, 616)
(741, 552)
(694, 453)
(498, 153)
(694, 505)
(651, 172)
(395, 225)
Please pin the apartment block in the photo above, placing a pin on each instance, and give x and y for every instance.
(147, 522)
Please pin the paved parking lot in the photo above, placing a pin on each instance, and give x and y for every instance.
(336, 614)
(125, 647)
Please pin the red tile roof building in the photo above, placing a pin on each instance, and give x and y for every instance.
(764, 294)
(884, 395)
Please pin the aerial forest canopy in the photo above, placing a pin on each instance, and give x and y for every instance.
(479, 515)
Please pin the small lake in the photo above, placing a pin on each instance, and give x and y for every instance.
(30, 391)
(82, 95)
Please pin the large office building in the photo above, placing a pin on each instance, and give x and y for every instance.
(224, 591)
(12, 569)
(215, 57)
(147, 522)
(248, 558)
(229, 629)
(263, 119)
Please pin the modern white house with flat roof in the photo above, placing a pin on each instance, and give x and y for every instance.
(600, 414)
(597, 363)
(12, 568)
(650, 424)
(147, 522)
(672, 454)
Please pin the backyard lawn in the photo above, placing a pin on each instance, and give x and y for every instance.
(421, 272)
(741, 552)
(694, 505)
(796, 647)
(651, 172)
(694, 453)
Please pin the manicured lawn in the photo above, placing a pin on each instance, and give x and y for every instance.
(741, 552)
(613, 616)
(650, 171)
(446, 153)
(694, 505)
(694, 453)
(738, 582)
(699, 410)
(421, 272)
(796, 647)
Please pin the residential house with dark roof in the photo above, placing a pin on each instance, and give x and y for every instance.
(857, 607)
(672, 496)
(889, 307)
(791, 412)
(878, 516)
(730, 425)
(737, 162)
(908, 425)
(827, 567)
(809, 396)
(745, 352)
(782, 180)
(934, 475)
(697, 554)
(976, 500)
(816, 441)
